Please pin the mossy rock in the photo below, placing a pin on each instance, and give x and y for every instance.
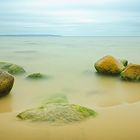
(11, 68)
(6, 83)
(55, 112)
(5, 65)
(37, 76)
(16, 69)
(131, 73)
(109, 65)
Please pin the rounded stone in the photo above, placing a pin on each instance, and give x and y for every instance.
(132, 72)
(6, 83)
(109, 65)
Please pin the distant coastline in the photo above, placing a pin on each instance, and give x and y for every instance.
(51, 35)
(18, 35)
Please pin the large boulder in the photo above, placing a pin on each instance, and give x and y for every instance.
(57, 111)
(132, 72)
(110, 65)
(6, 83)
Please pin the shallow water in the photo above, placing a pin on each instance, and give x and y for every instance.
(69, 61)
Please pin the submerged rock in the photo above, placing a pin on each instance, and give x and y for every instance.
(110, 65)
(11, 68)
(37, 76)
(16, 69)
(5, 65)
(57, 113)
(56, 98)
(6, 83)
(132, 72)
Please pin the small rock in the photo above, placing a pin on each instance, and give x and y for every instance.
(109, 65)
(36, 76)
(6, 83)
(132, 72)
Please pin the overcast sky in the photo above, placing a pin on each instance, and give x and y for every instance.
(70, 17)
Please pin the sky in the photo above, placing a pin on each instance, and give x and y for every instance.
(70, 17)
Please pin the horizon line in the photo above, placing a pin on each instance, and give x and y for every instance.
(54, 35)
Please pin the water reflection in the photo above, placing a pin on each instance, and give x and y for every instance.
(6, 104)
(113, 91)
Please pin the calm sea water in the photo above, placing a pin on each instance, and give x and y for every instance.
(70, 63)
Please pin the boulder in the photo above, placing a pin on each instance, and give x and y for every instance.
(110, 65)
(57, 111)
(132, 72)
(6, 83)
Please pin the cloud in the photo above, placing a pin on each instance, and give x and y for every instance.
(75, 16)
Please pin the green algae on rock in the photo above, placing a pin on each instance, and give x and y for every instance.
(37, 76)
(109, 65)
(131, 73)
(16, 69)
(57, 112)
(6, 83)
(5, 65)
(11, 68)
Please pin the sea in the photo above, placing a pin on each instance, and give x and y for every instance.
(69, 62)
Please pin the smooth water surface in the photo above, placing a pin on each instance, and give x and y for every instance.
(69, 61)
